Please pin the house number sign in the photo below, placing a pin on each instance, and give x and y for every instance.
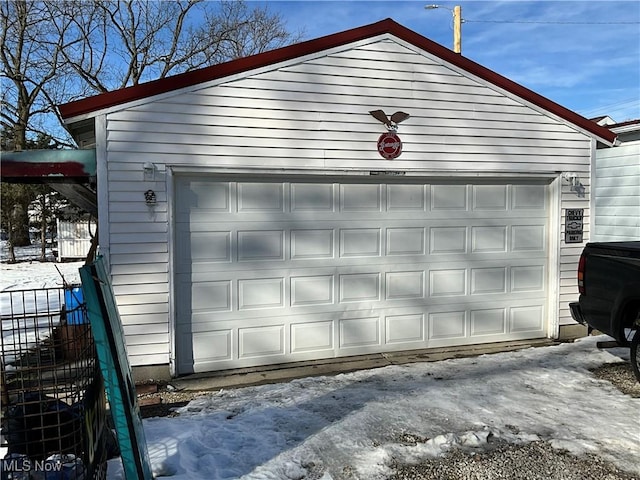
(573, 225)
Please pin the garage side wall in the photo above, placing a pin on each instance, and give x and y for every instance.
(313, 114)
(617, 191)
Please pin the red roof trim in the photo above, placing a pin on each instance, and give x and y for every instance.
(240, 65)
(624, 124)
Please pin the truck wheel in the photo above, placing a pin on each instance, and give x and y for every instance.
(635, 353)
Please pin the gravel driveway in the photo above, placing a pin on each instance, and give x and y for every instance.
(531, 461)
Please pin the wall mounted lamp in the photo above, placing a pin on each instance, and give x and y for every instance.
(149, 171)
(574, 180)
(571, 177)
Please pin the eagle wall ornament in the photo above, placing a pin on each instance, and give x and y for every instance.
(389, 144)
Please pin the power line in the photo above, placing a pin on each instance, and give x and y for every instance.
(544, 22)
(613, 106)
(620, 111)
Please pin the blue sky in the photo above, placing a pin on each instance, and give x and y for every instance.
(593, 69)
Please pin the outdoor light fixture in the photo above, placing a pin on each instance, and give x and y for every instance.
(149, 170)
(574, 180)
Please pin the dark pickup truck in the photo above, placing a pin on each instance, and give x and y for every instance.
(609, 286)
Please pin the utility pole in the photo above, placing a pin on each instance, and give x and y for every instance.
(457, 24)
(457, 29)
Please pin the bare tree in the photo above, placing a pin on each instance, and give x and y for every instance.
(55, 51)
(128, 42)
(33, 72)
(16, 198)
(14, 219)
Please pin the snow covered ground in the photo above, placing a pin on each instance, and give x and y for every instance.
(22, 290)
(361, 422)
(29, 273)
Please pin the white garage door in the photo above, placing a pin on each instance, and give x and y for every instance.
(270, 271)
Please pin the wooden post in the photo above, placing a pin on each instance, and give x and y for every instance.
(457, 29)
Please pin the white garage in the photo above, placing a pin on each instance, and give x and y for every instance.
(249, 215)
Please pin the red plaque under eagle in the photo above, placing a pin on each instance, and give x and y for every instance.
(389, 144)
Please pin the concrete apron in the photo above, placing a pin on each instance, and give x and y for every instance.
(284, 372)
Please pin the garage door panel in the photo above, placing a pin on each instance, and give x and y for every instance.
(309, 287)
(525, 197)
(361, 198)
(358, 333)
(359, 287)
(407, 198)
(312, 337)
(447, 282)
(448, 240)
(260, 293)
(488, 280)
(528, 238)
(256, 245)
(212, 296)
(385, 288)
(405, 329)
(489, 198)
(527, 278)
(312, 290)
(205, 247)
(360, 242)
(260, 197)
(449, 197)
(313, 197)
(261, 341)
(405, 285)
(491, 321)
(282, 271)
(526, 319)
(405, 241)
(195, 195)
(447, 325)
(312, 244)
(488, 239)
(212, 346)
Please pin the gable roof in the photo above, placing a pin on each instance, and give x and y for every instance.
(388, 26)
(604, 120)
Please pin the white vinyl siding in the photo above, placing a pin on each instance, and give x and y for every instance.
(265, 120)
(617, 193)
(570, 252)
(312, 115)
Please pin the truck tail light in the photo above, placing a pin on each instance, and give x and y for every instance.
(581, 265)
